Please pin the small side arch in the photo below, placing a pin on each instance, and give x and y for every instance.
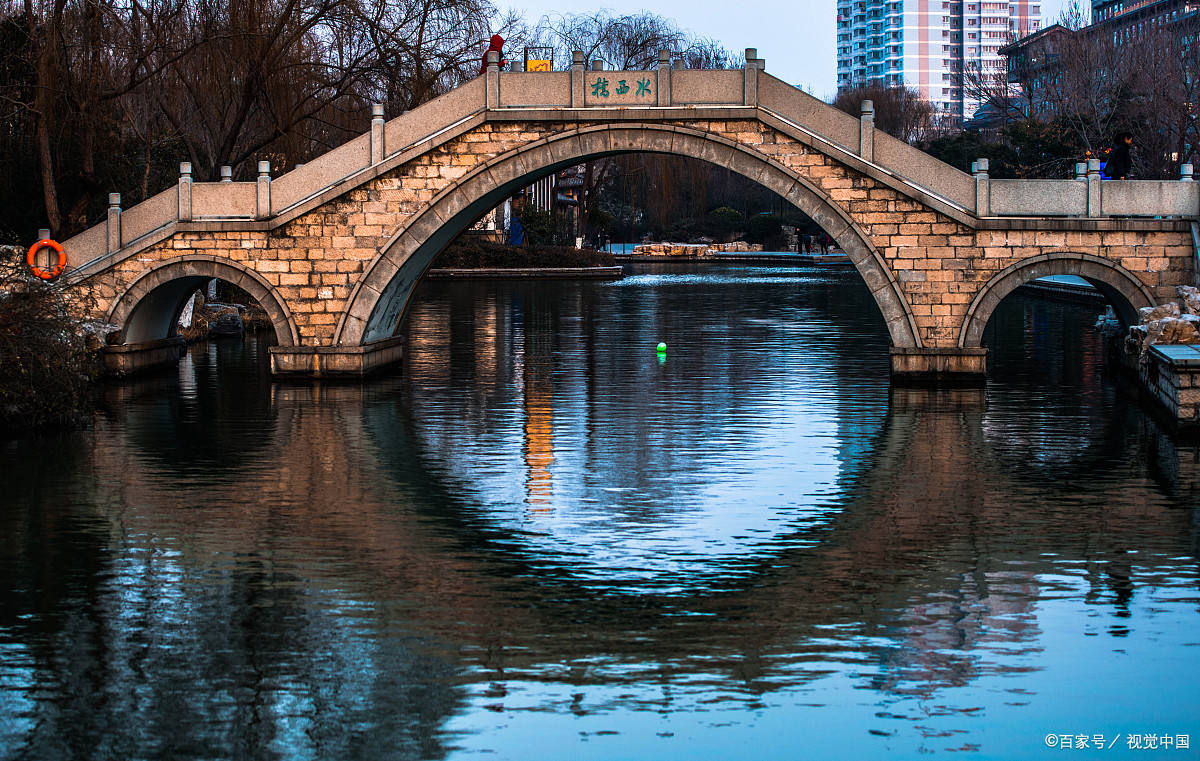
(149, 307)
(1119, 286)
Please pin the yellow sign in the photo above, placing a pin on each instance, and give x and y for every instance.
(537, 66)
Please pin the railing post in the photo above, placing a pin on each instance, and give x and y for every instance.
(114, 222)
(751, 91)
(983, 188)
(264, 190)
(1081, 170)
(577, 79)
(493, 79)
(866, 131)
(226, 174)
(376, 133)
(1185, 173)
(185, 192)
(1093, 193)
(664, 77)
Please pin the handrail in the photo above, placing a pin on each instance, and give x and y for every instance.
(858, 144)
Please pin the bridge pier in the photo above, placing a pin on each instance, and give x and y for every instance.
(335, 361)
(938, 366)
(130, 359)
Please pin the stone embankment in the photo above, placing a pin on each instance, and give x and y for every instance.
(694, 250)
(1164, 351)
(1176, 322)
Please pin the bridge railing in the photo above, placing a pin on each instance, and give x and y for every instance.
(634, 95)
(223, 201)
(1088, 195)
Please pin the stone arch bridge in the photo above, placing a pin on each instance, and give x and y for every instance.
(333, 249)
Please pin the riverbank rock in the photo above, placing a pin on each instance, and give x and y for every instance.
(1189, 298)
(200, 320)
(1170, 323)
(694, 250)
(225, 319)
(97, 334)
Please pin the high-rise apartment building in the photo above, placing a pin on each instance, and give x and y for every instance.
(926, 44)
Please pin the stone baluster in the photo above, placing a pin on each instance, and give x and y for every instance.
(1185, 172)
(264, 190)
(493, 79)
(114, 222)
(226, 174)
(376, 133)
(597, 65)
(751, 91)
(983, 188)
(577, 79)
(185, 192)
(1093, 194)
(664, 77)
(866, 131)
(1081, 170)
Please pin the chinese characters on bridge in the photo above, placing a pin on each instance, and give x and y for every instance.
(603, 88)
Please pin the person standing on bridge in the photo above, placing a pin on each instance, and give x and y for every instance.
(497, 44)
(1120, 162)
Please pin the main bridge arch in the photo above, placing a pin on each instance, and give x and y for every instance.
(377, 303)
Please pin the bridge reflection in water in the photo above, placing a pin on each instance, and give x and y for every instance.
(367, 571)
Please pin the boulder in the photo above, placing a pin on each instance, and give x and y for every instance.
(96, 333)
(1148, 315)
(1189, 299)
(1177, 331)
(224, 320)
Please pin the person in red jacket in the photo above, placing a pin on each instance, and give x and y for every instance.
(498, 46)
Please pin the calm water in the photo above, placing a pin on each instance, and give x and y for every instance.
(544, 540)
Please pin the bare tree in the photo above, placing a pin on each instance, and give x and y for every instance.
(423, 48)
(1097, 81)
(899, 111)
(85, 55)
(623, 42)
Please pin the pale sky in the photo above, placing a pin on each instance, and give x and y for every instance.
(797, 39)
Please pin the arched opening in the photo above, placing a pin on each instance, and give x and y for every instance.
(379, 301)
(150, 308)
(1120, 287)
(1046, 354)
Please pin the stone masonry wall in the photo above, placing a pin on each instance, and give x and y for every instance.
(940, 264)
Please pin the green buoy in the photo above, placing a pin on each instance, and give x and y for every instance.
(662, 347)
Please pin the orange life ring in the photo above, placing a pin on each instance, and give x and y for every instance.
(58, 268)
